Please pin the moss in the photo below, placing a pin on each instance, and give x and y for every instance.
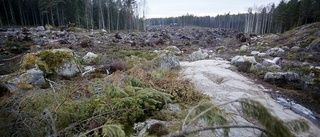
(291, 56)
(220, 49)
(54, 59)
(29, 60)
(47, 60)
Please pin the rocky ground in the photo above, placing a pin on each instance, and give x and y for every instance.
(36, 61)
(214, 78)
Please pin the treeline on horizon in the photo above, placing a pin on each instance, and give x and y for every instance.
(264, 19)
(130, 14)
(90, 14)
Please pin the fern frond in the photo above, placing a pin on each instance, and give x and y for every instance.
(298, 125)
(151, 97)
(274, 125)
(108, 130)
(113, 131)
(113, 91)
(211, 114)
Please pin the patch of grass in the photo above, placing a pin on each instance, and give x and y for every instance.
(147, 56)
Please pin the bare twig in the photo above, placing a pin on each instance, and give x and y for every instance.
(184, 133)
(55, 111)
(51, 85)
(9, 59)
(84, 134)
(186, 118)
(204, 112)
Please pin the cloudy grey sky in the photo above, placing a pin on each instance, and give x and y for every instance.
(173, 8)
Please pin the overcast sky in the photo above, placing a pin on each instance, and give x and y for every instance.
(173, 8)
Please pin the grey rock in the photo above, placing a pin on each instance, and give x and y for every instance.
(243, 63)
(262, 54)
(174, 107)
(34, 76)
(268, 62)
(237, 60)
(281, 76)
(89, 58)
(198, 55)
(295, 48)
(286, 48)
(275, 52)
(40, 28)
(142, 127)
(314, 45)
(167, 61)
(68, 70)
(244, 48)
(254, 53)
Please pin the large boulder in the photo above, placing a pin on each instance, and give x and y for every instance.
(61, 62)
(275, 52)
(32, 77)
(198, 55)
(167, 61)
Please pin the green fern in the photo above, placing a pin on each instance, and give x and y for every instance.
(152, 99)
(298, 125)
(275, 126)
(113, 131)
(211, 114)
(113, 91)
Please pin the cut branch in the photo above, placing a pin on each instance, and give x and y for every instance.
(185, 133)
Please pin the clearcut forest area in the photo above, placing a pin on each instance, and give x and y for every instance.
(101, 68)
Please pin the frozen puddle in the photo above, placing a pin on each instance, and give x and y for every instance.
(213, 78)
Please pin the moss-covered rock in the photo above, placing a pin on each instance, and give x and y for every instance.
(62, 62)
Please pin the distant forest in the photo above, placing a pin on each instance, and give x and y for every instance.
(129, 14)
(260, 20)
(90, 14)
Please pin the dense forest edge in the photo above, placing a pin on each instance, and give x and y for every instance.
(89, 14)
(259, 19)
